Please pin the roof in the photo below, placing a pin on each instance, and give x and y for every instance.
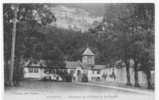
(88, 52)
(99, 67)
(88, 66)
(73, 64)
(94, 67)
(36, 63)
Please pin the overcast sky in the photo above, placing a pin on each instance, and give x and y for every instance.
(95, 8)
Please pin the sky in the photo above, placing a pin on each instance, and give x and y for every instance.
(96, 9)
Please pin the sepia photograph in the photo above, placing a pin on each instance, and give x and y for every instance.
(79, 51)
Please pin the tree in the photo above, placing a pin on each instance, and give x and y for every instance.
(29, 16)
(118, 31)
(141, 26)
(127, 26)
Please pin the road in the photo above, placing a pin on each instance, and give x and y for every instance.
(40, 90)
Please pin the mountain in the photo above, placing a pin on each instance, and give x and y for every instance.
(74, 18)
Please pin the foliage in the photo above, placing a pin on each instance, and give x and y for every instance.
(127, 32)
(29, 18)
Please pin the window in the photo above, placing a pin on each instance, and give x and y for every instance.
(93, 72)
(30, 70)
(35, 70)
(89, 60)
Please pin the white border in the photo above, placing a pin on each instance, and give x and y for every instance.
(156, 50)
(78, 1)
(85, 1)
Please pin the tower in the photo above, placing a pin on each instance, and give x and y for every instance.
(88, 57)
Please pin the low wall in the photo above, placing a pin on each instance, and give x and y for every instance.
(120, 76)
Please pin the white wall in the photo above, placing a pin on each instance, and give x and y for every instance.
(88, 60)
(93, 74)
(37, 75)
(141, 77)
(122, 78)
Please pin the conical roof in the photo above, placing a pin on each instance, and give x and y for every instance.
(88, 52)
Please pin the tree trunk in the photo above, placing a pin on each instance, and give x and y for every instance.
(16, 72)
(6, 73)
(136, 75)
(127, 73)
(148, 77)
(11, 83)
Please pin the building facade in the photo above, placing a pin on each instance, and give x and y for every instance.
(88, 57)
(34, 69)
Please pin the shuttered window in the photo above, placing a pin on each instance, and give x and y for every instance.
(30, 70)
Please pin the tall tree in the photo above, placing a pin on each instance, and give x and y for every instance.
(29, 16)
(141, 28)
(115, 17)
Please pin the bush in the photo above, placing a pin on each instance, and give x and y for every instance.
(84, 78)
